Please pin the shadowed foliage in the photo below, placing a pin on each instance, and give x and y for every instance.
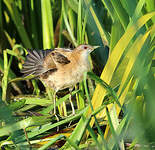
(114, 103)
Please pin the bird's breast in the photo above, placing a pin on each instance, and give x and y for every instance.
(67, 76)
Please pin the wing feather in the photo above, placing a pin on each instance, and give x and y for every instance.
(34, 63)
(41, 61)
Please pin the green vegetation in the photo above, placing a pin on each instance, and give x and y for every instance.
(114, 108)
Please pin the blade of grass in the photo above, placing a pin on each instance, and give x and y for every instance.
(112, 129)
(122, 15)
(36, 89)
(58, 138)
(67, 24)
(60, 101)
(115, 122)
(13, 53)
(137, 12)
(26, 108)
(92, 134)
(129, 6)
(123, 96)
(80, 128)
(10, 40)
(5, 77)
(47, 127)
(39, 120)
(82, 125)
(133, 54)
(81, 96)
(5, 114)
(80, 35)
(78, 132)
(45, 146)
(150, 6)
(116, 26)
(34, 34)
(72, 20)
(37, 101)
(106, 86)
(120, 131)
(90, 104)
(18, 22)
(115, 36)
(135, 50)
(114, 59)
(104, 35)
(47, 24)
(60, 44)
(16, 105)
(79, 23)
(1, 18)
(73, 4)
(120, 70)
(109, 7)
(84, 28)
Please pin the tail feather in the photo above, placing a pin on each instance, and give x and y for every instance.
(28, 63)
(33, 57)
(25, 70)
(34, 62)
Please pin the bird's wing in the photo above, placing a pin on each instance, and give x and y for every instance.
(42, 61)
(59, 58)
(56, 58)
(35, 62)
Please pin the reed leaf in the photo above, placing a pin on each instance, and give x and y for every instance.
(15, 15)
(47, 24)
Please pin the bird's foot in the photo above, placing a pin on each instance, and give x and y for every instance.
(57, 118)
(73, 112)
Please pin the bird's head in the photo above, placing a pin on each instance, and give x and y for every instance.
(86, 48)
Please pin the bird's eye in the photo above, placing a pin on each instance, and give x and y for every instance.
(85, 47)
(53, 54)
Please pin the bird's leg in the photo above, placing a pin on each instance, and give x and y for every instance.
(54, 98)
(70, 99)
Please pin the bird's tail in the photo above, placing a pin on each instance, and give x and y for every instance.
(34, 62)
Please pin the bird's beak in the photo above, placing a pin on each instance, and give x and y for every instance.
(95, 47)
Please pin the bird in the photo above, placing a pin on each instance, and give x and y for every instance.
(58, 68)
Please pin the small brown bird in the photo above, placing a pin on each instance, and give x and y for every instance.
(59, 68)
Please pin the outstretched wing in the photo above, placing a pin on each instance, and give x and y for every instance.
(34, 63)
(42, 61)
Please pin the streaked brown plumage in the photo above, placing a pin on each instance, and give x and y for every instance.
(59, 68)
